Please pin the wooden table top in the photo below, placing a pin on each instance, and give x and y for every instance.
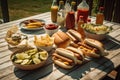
(94, 69)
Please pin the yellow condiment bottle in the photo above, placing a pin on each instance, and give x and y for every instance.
(54, 11)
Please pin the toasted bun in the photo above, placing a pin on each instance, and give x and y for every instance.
(88, 51)
(63, 54)
(57, 39)
(78, 51)
(61, 39)
(57, 62)
(96, 44)
(74, 44)
(66, 53)
(72, 37)
(75, 34)
(63, 35)
(93, 55)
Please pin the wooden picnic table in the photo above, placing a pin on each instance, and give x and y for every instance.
(93, 70)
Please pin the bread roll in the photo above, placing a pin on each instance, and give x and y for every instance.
(61, 39)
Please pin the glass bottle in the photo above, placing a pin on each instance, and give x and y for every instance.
(70, 18)
(83, 9)
(67, 7)
(61, 14)
(54, 11)
(79, 28)
(100, 16)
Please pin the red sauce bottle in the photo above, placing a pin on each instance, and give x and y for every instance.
(83, 9)
(70, 18)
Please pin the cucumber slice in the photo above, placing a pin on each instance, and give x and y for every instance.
(18, 61)
(25, 62)
(43, 55)
(36, 60)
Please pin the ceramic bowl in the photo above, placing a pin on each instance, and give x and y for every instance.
(44, 42)
(51, 30)
(95, 36)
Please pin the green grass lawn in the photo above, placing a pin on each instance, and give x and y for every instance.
(25, 8)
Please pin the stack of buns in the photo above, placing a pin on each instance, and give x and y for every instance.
(73, 48)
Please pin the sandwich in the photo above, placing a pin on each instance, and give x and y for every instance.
(74, 36)
(64, 58)
(78, 54)
(92, 48)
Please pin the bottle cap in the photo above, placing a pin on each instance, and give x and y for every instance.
(61, 2)
(101, 8)
(73, 3)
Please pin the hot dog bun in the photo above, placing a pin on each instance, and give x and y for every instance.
(97, 44)
(74, 35)
(78, 53)
(64, 58)
(61, 39)
(92, 48)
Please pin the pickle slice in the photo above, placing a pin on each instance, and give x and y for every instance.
(21, 56)
(36, 60)
(25, 62)
(43, 55)
(18, 61)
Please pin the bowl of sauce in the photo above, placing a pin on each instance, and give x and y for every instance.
(50, 29)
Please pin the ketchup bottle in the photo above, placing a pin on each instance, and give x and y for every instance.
(79, 28)
(70, 18)
(83, 9)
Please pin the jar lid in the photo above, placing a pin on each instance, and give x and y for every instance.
(73, 3)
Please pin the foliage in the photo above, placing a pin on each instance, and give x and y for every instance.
(25, 8)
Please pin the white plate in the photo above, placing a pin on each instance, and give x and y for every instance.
(22, 24)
